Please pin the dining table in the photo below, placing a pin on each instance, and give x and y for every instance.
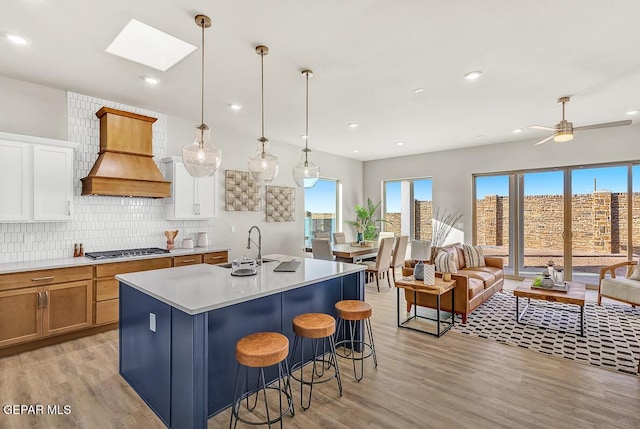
(351, 252)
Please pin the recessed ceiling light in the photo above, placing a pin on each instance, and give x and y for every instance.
(518, 130)
(418, 90)
(356, 151)
(18, 40)
(235, 107)
(149, 46)
(632, 112)
(472, 75)
(353, 124)
(400, 143)
(151, 80)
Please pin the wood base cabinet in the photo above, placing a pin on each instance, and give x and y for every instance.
(30, 313)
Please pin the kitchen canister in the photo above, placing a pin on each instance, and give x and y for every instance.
(203, 239)
(187, 243)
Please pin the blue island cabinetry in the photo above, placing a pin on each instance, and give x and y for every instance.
(179, 327)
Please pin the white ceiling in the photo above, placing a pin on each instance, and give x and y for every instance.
(367, 56)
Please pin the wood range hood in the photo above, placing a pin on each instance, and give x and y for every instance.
(125, 164)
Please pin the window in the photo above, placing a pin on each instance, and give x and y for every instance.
(321, 209)
(408, 208)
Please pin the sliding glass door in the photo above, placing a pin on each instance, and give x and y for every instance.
(541, 226)
(599, 220)
(321, 209)
(408, 208)
(492, 217)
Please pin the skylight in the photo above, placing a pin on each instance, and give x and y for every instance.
(149, 46)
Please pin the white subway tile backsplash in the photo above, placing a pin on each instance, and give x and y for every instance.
(99, 223)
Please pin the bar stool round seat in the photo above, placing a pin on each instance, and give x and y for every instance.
(352, 309)
(353, 346)
(317, 327)
(259, 351)
(262, 349)
(314, 325)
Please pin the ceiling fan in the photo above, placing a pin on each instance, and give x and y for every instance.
(563, 130)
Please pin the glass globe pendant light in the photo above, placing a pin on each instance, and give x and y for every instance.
(306, 173)
(201, 158)
(262, 165)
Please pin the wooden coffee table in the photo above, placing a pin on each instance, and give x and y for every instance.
(575, 296)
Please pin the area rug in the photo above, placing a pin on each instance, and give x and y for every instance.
(612, 331)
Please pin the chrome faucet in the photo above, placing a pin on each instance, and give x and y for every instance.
(259, 244)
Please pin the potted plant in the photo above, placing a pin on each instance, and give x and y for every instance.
(366, 221)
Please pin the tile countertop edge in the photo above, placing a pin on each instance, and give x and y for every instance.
(132, 278)
(45, 264)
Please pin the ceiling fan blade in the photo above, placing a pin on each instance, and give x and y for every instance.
(545, 140)
(540, 127)
(604, 125)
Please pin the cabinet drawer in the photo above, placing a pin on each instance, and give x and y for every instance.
(215, 258)
(179, 261)
(106, 289)
(110, 270)
(107, 311)
(44, 277)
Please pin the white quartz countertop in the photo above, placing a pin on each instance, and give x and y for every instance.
(15, 267)
(199, 288)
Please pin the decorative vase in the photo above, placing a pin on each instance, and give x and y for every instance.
(418, 271)
(429, 274)
(359, 237)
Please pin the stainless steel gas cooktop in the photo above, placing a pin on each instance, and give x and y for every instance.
(126, 253)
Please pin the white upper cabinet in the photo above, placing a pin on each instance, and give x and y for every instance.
(191, 198)
(36, 179)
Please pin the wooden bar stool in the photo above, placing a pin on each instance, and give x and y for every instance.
(354, 311)
(317, 327)
(261, 350)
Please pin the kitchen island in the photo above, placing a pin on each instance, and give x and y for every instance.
(179, 327)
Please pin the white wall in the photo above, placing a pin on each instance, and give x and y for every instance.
(27, 108)
(452, 170)
(277, 237)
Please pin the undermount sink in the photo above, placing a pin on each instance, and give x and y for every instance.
(264, 260)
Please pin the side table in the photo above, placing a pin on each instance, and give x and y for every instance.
(417, 286)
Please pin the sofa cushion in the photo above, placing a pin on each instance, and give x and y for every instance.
(476, 287)
(446, 262)
(487, 278)
(621, 288)
(497, 272)
(473, 256)
(458, 251)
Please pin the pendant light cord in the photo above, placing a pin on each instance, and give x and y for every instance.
(262, 92)
(306, 132)
(202, 73)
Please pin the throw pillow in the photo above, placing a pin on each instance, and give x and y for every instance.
(635, 275)
(473, 256)
(446, 263)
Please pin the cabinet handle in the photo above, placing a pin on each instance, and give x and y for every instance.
(39, 300)
(46, 299)
(68, 208)
(215, 258)
(186, 261)
(39, 279)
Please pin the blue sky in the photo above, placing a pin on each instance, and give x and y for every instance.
(551, 183)
(321, 198)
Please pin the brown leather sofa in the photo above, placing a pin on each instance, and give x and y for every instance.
(473, 285)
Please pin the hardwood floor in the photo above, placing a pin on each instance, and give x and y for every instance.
(421, 382)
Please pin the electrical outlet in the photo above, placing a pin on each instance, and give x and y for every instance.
(233, 228)
(152, 322)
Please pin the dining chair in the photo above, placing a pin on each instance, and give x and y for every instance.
(339, 238)
(385, 234)
(321, 249)
(399, 254)
(382, 264)
(321, 235)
